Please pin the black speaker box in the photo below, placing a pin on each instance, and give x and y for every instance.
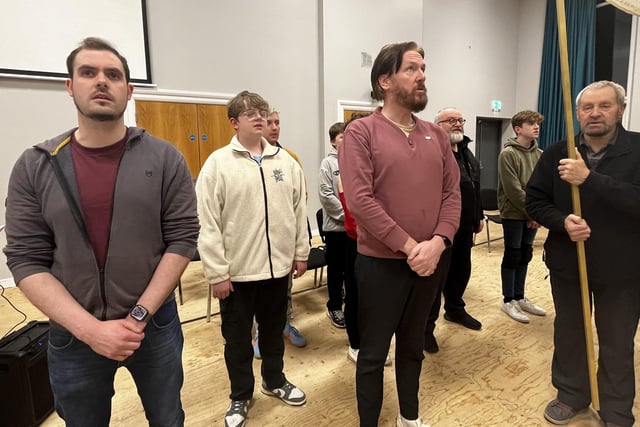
(25, 393)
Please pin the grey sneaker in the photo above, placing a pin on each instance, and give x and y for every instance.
(514, 311)
(236, 415)
(559, 413)
(529, 306)
(288, 393)
(256, 347)
(403, 422)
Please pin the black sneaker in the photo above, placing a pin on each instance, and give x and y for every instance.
(236, 414)
(288, 393)
(430, 343)
(463, 318)
(337, 318)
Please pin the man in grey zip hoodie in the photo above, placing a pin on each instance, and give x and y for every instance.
(101, 223)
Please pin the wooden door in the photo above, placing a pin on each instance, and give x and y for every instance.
(175, 122)
(214, 128)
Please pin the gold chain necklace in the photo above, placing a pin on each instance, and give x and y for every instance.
(406, 128)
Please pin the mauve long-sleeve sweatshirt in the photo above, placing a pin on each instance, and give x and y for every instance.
(398, 186)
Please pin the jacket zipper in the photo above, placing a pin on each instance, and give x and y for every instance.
(266, 219)
(266, 208)
(103, 296)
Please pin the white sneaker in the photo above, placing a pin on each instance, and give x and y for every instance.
(352, 354)
(403, 422)
(387, 361)
(236, 415)
(529, 306)
(513, 310)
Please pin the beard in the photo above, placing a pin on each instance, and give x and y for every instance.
(415, 103)
(456, 136)
(100, 116)
(605, 130)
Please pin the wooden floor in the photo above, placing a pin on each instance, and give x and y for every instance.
(499, 376)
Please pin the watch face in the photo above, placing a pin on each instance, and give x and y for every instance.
(138, 312)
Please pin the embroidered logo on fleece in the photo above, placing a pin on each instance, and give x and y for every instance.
(278, 175)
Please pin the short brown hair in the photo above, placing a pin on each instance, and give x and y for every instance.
(244, 101)
(335, 130)
(526, 116)
(388, 62)
(95, 43)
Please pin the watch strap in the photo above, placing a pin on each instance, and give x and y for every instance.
(445, 239)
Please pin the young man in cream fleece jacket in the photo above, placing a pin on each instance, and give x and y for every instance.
(252, 209)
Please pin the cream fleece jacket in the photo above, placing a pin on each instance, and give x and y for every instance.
(253, 215)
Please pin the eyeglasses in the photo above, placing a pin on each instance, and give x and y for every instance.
(255, 114)
(453, 121)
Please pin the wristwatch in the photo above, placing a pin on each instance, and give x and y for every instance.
(139, 313)
(445, 239)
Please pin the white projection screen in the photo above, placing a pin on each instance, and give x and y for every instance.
(37, 35)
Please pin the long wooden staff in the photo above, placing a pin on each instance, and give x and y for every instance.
(575, 198)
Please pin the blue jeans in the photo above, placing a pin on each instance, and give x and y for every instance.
(518, 249)
(82, 380)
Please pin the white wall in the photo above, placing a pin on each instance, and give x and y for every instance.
(303, 57)
(351, 28)
(473, 54)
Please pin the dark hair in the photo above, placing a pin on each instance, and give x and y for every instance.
(95, 43)
(526, 116)
(335, 130)
(244, 101)
(388, 62)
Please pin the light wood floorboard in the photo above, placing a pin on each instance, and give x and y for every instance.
(499, 376)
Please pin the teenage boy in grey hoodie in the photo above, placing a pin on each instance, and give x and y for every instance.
(333, 225)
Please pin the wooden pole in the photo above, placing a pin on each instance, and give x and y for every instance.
(575, 198)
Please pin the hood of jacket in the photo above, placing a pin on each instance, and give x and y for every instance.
(513, 142)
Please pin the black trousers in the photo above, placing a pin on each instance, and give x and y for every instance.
(267, 301)
(616, 308)
(459, 272)
(392, 299)
(336, 244)
(351, 293)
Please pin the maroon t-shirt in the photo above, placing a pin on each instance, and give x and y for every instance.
(96, 170)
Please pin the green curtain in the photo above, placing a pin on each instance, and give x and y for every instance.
(581, 28)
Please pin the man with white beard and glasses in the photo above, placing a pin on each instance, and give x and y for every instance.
(401, 183)
(471, 221)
